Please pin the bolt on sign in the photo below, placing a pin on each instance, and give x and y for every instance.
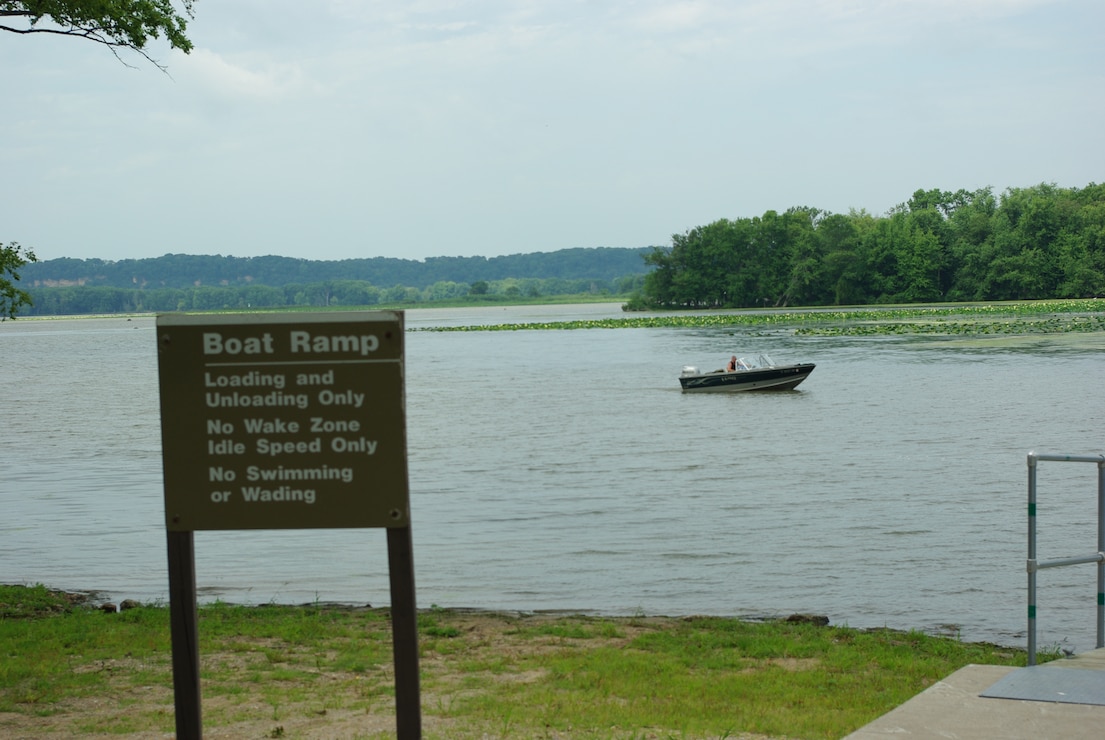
(273, 421)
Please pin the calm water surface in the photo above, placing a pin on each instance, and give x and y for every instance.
(565, 470)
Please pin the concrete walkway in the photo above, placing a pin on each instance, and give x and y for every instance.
(1066, 701)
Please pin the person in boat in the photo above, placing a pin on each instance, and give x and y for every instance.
(733, 366)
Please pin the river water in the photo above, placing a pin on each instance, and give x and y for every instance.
(565, 470)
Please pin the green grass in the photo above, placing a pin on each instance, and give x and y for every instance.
(274, 670)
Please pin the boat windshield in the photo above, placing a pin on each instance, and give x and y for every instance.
(755, 362)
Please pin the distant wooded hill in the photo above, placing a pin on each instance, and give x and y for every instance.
(187, 271)
(181, 282)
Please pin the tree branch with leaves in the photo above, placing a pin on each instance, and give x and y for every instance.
(13, 257)
(117, 24)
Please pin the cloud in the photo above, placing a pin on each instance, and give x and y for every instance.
(263, 80)
(436, 127)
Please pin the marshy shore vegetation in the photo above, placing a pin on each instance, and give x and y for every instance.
(985, 319)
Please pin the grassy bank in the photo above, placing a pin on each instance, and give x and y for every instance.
(71, 670)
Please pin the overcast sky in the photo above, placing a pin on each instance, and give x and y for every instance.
(364, 128)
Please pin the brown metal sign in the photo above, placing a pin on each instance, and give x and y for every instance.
(273, 421)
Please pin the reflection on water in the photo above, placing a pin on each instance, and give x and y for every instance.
(566, 470)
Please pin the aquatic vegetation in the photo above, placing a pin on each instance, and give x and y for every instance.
(1029, 317)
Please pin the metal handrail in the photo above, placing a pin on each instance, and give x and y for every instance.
(1034, 565)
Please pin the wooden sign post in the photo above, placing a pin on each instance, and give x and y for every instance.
(285, 421)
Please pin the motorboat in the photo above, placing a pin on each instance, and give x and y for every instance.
(756, 374)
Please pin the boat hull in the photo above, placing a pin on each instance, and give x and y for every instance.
(780, 378)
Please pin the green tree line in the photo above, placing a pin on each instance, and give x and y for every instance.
(76, 300)
(189, 270)
(1028, 243)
